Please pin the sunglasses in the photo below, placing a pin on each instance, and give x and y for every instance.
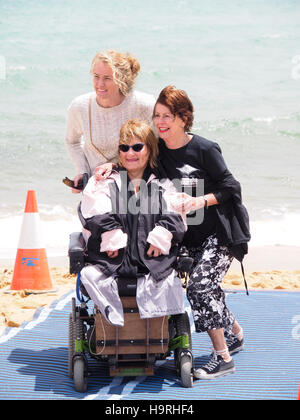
(137, 147)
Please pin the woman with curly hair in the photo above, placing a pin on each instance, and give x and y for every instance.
(96, 117)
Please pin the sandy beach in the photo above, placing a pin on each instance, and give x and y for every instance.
(275, 268)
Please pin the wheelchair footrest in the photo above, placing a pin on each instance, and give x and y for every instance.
(130, 342)
(138, 336)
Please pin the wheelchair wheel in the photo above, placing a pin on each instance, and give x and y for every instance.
(186, 371)
(71, 346)
(80, 374)
(181, 327)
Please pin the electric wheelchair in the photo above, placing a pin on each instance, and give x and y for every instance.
(131, 350)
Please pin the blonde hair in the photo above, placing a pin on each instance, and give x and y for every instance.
(142, 131)
(125, 68)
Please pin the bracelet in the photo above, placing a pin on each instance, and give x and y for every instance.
(206, 202)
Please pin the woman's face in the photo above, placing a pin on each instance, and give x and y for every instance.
(133, 161)
(168, 125)
(107, 91)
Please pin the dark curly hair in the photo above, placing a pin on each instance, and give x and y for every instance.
(178, 103)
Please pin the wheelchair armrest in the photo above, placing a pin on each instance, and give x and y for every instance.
(76, 252)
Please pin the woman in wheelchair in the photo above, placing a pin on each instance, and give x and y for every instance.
(131, 231)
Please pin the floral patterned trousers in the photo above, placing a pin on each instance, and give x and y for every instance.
(204, 292)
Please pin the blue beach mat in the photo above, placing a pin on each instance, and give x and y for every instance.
(34, 358)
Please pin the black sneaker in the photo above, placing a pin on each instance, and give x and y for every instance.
(234, 345)
(215, 368)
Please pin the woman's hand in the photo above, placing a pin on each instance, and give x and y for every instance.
(103, 171)
(184, 203)
(153, 251)
(76, 180)
(112, 254)
(199, 202)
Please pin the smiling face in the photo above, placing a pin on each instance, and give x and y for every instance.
(169, 126)
(107, 91)
(135, 162)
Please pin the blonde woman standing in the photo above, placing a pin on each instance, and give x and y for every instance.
(94, 119)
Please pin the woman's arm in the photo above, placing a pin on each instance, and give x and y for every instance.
(73, 136)
(185, 203)
(204, 201)
(103, 171)
(171, 226)
(96, 215)
(224, 184)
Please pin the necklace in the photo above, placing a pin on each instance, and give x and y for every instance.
(177, 145)
(186, 139)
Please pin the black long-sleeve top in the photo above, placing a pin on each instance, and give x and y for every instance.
(200, 164)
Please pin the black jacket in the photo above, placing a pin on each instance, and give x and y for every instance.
(232, 227)
(160, 267)
(229, 220)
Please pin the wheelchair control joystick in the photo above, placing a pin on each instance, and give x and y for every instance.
(184, 265)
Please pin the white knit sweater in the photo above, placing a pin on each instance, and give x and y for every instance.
(105, 126)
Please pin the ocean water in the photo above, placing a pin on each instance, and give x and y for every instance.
(239, 61)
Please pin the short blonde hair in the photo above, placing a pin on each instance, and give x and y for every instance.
(142, 131)
(125, 68)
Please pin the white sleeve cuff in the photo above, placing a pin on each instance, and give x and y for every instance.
(113, 240)
(161, 238)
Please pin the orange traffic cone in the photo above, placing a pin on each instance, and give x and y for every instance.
(31, 271)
